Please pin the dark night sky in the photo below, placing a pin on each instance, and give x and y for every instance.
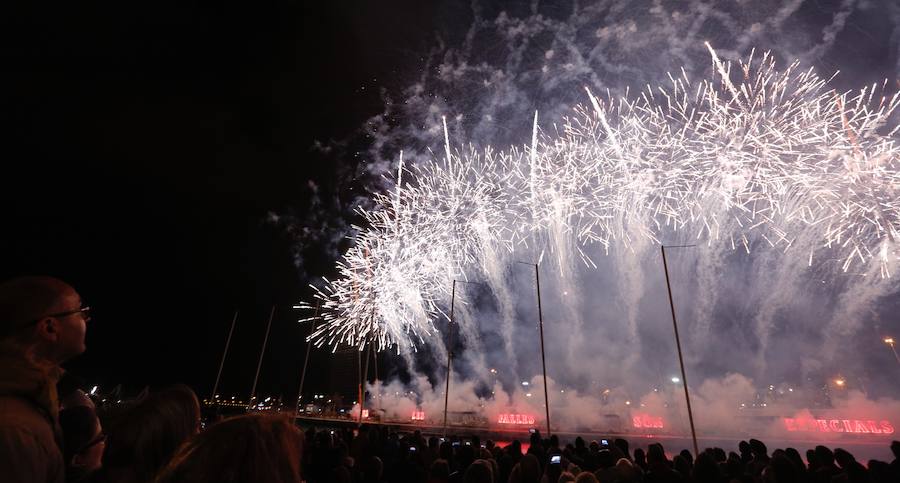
(144, 146)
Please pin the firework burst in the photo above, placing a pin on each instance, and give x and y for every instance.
(755, 156)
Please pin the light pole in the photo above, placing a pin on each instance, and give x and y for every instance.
(312, 330)
(890, 341)
(687, 396)
(450, 346)
(537, 279)
(222, 363)
(364, 376)
(262, 352)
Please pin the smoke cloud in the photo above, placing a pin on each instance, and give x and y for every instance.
(765, 334)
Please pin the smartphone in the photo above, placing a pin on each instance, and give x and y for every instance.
(555, 459)
(532, 430)
(468, 443)
(332, 431)
(604, 442)
(455, 444)
(412, 449)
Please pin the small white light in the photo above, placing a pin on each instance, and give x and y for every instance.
(676, 380)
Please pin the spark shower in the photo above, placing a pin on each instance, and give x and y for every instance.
(753, 159)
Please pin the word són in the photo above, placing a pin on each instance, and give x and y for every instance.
(645, 421)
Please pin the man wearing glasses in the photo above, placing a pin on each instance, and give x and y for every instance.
(42, 324)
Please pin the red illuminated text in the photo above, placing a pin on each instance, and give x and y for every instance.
(523, 419)
(647, 421)
(365, 413)
(859, 426)
(418, 416)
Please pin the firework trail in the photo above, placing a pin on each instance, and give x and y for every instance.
(755, 157)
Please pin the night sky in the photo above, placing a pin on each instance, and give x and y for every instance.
(161, 158)
(145, 148)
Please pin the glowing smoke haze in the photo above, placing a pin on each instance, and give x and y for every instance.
(787, 186)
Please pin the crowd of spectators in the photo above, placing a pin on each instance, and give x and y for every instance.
(51, 431)
(374, 454)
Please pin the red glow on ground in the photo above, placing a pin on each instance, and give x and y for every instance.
(504, 444)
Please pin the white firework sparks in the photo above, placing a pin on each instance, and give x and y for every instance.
(774, 158)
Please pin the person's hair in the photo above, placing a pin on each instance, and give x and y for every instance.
(25, 299)
(78, 425)
(586, 477)
(440, 470)
(780, 469)
(794, 455)
(719, 454)
(758, 448)
(812, 458)
(565, 477)
(640, 456)
(623, 446)
(144, 438)
(844, 458)
(372, 470)
(479, 471)
(252, 447)
(529, 468)
(824, 455)
(180, 406)
(681, 465)
(656, 454)
(705, 469)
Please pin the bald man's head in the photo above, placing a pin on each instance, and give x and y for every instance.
(26, 299)
(44, 314)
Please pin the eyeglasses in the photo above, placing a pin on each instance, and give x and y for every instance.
(100, 438)
(84, 311)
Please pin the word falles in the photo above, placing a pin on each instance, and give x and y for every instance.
(516, 419)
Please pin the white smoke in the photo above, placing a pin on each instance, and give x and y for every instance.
(747, 321)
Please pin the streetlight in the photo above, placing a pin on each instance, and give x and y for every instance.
(840, 381)
(450, 345)
(222, 363)
(890, 341)
(262, 352)
(687, 396)
(312, 330)
(537, 280)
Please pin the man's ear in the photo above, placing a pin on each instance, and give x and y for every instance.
(48, 329)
